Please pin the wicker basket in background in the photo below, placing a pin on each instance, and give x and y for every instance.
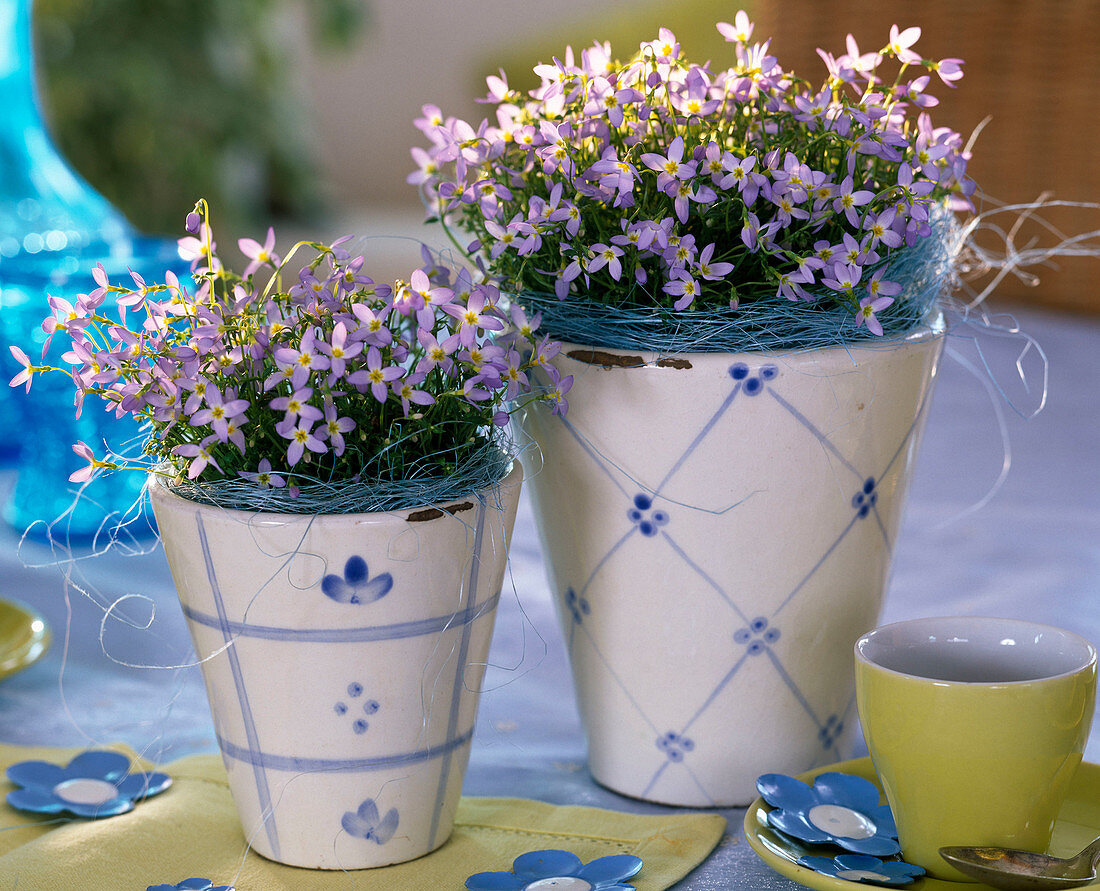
(1032, 66)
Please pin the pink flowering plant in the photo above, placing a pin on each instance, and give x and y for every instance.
(286, 376)
(659, 185)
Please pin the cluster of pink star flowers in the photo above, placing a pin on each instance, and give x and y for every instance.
(664, 183)
(277, 376)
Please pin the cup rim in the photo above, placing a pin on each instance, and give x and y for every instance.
(1082, 665)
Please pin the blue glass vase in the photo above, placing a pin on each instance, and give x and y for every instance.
(45, 207)
(54, 228)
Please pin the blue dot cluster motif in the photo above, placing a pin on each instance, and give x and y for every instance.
(753, 385)
(370, 707)
(830, 731)
(758, 635)
(577, 606)
(866, 498)
(675, 746)
(647, 520)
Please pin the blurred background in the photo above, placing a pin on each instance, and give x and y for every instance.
(300, 113)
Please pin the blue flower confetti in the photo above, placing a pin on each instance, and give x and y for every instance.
(559, 871)
(192, 885)
(864, 869)
(94, 784)
(838, 809)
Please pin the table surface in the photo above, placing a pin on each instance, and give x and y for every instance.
(121, 666)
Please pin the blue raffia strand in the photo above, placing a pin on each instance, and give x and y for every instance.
(413, 483)
(763, 321)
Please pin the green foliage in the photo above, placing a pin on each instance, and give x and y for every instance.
(155, 101)
(620, 24)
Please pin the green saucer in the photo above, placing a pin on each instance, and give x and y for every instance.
(1078, 823)
(24, 637)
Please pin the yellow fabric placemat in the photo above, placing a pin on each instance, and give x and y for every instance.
(192, 830)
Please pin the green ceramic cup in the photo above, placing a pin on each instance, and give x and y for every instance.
(975, 727)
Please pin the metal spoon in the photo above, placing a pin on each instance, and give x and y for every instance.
(1015, 870)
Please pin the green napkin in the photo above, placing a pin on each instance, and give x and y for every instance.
(192, 830)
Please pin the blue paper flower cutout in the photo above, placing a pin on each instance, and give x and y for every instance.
(191, 885)
(861, 868)
(94, 784)
(356, 585)
(838, 809)
(365, 823)
(559, 871)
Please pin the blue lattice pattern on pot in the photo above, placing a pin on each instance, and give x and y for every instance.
(650, 517)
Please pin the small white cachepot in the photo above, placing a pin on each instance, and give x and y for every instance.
(718, 529)
(342, 656)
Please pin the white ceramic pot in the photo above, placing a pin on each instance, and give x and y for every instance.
(342, 657)
(718, 530)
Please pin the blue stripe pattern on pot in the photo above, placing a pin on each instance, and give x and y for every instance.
(267, 761)
(367, 633)
(262, 787)
(460, 670)
(262, 761)
(343, 656)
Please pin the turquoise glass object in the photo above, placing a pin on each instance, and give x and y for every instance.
(44, 420)
(560, 869)
(54, 228)
(45, 207)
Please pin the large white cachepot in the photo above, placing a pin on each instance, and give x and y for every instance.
(342, 657)
(718, 530)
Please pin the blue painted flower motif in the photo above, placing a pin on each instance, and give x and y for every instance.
(866, 498)
(838, 809)
(647, 520)
(674, 745)
(758, 635)
(861, 868)
(753, 385)
(559, 871)
(356, 585)
(577, 606)
(365, 823)
(94, 784)
(192, 885)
